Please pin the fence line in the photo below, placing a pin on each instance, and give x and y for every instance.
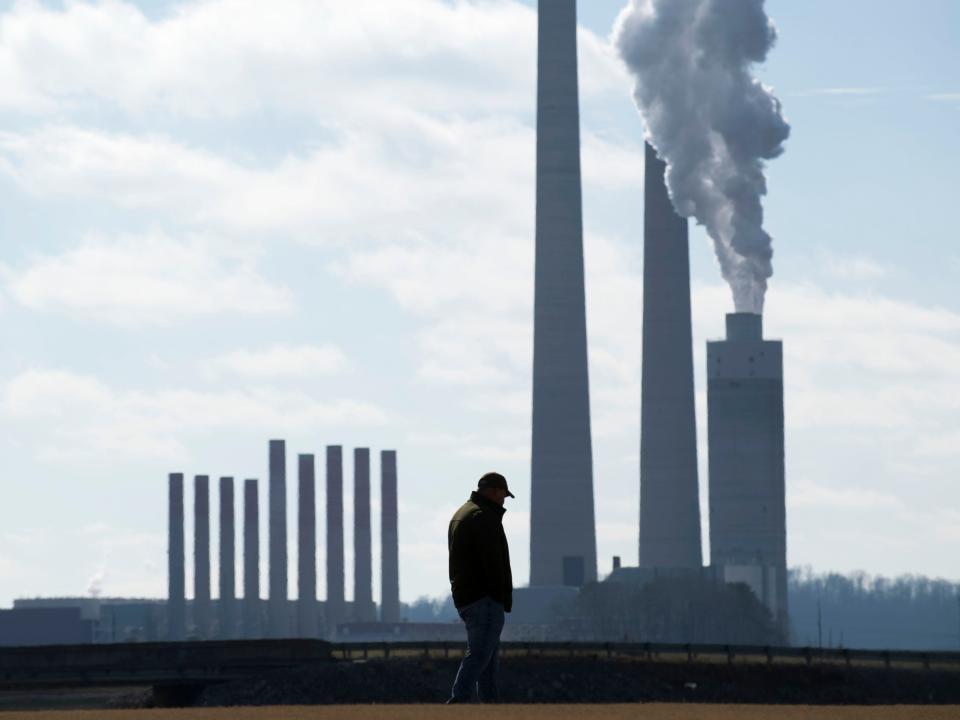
(664, 652)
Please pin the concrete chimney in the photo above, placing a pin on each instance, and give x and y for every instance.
(252, 615)
(306, 549)
(201, 557)
(748, 530)
(563, 545)
(389, 540)
(227, 604)
(176, 593)
(335, 580)
(363, 610)
(278, 621)
(669, 490)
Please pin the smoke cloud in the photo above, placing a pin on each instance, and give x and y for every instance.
(711, 121)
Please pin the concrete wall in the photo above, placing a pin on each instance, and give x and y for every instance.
(561, 503)
(669, 491)
(746, 440)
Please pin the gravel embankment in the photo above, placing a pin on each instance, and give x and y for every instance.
(547, 680)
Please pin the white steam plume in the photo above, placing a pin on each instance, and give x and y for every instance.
(711, 121)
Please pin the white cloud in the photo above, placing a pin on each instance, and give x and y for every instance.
(806, 494)
(282, 361)
(47, 405)
(843, 91)
(321, 57)
(150, 279)
(850, 267)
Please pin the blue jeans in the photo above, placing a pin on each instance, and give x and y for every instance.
(478, 670)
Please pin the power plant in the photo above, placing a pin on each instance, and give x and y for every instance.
(279, 617)
(563, 543)
(748, 529)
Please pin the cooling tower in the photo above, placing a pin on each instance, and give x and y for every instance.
(669, 503)
(363, 610)
(252, 623)
(389, 540)
(227, 620)
(201, 557)
(176, 593)
(563, 547)
(306, 549)
(278, 623)
(334, 610)
(748, 532)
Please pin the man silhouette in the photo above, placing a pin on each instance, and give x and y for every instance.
(482, 585)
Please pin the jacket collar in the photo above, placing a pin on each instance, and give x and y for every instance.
(486, 504)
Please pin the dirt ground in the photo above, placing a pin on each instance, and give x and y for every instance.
(519, 712)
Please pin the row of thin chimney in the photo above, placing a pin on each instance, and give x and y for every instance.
(279, 619)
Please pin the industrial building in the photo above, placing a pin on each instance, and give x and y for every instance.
(563, 546)
(748, 529)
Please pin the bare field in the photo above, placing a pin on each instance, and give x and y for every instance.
(653, 711)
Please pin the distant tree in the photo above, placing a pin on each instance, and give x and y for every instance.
(857, 610)
(427, 609)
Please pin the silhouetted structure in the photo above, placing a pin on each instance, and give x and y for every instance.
(278, 622)
(306, 549)
(389, 539)
(669, 501)
(201, 557)
(363, 610)
(748, 532)
(563, 548)
(176, 592)
(335, 562)
(227, 604)
(252, 626)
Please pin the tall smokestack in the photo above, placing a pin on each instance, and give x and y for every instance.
(227, 604)
(176, 593)
(306, 549)
(389, 540)
(748, 527)
(563, 545)
(335, 581)
(201, 556)
(278, 623)
(252, 619)
(363, 610)
(669, 500)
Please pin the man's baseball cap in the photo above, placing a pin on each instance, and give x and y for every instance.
(494, 480)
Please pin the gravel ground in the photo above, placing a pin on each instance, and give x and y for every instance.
(554, 680)
(514, 712)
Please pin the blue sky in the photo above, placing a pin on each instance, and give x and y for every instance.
(218, 227)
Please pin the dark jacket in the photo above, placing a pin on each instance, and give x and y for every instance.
(479, 555)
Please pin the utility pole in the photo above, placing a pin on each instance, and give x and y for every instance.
(819, 626)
